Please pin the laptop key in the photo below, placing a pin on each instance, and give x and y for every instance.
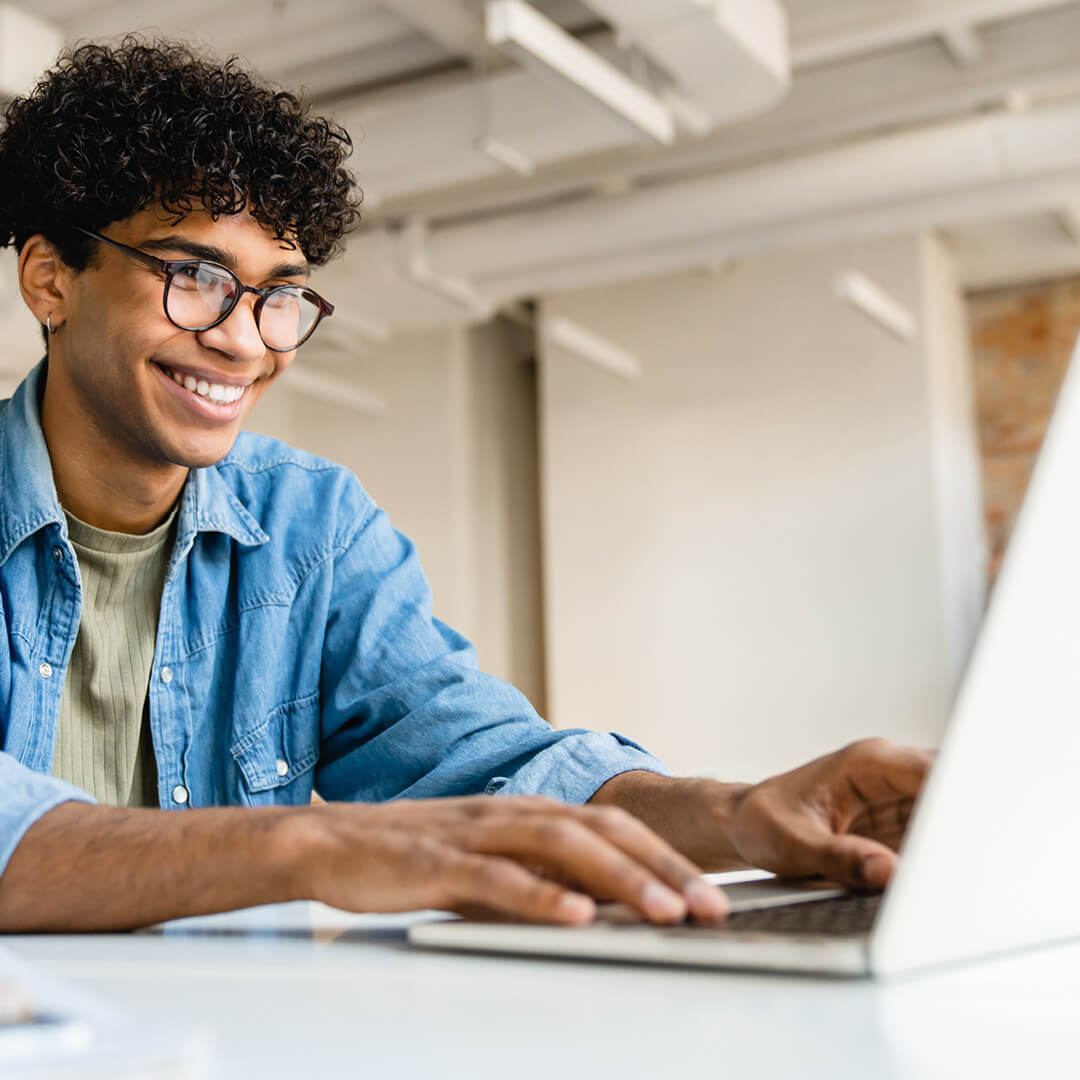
(842, 915)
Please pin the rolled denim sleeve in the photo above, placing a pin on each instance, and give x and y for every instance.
(408, 713)
(26, 796)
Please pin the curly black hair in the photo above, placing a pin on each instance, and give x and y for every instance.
(112, 130)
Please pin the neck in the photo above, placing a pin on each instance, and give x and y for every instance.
(96, 481)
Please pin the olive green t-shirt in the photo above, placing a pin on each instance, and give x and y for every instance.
(103, 743)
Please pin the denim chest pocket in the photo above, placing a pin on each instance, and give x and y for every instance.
(277, 759)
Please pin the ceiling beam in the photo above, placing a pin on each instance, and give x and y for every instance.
(829, 104)
(829, 42)
(543, 47)
(449, 23)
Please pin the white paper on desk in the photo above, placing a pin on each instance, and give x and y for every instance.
(90, 1040)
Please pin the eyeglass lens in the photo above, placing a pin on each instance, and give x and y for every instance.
(200, 292)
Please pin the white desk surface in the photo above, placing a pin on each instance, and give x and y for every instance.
(299, 990)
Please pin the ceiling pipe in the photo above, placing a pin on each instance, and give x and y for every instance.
(954, 158)
(416, 263)
(985, 169)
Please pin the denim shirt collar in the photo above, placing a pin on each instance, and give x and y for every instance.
(30, 501)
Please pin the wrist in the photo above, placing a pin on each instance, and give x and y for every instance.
(694, 815)
(296, 847)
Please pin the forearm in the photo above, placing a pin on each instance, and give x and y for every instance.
(86, 868)
(694, 816)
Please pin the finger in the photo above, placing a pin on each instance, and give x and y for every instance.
(637, 840)
(882, 770)
(853, 860)
(568, 848)
(473, 883)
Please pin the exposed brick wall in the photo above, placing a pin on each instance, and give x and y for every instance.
(1023, 339)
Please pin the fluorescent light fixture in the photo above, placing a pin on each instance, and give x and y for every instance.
(335, 391)
(589, 346)
(964, 45)
(859, 292)
(1069, 219)
(521, 32)
(506, 155)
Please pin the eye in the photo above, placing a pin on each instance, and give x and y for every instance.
(187, 276)
(204, 277)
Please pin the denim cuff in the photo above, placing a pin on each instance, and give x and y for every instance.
(577, 766)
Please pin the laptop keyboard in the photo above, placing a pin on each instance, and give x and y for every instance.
(840, 915)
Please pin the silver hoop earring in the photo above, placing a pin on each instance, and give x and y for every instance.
(48, 323)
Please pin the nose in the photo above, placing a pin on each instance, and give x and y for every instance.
(237, 336)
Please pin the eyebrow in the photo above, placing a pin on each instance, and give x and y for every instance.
(219, 255)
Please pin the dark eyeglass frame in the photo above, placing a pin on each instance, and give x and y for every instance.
(170, 267)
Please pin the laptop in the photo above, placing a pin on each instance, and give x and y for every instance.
(988, 863)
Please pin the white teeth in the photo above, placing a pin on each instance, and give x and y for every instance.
(215, 392)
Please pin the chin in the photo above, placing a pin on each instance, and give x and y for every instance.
(199, 457)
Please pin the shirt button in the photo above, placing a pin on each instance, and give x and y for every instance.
(166, 675)
(58, 554)
(45, 670)
(282, 767)
(180, 794)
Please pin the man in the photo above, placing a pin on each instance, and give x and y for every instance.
(215, 623)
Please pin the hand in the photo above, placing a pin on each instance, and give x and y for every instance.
(842, 816)
(529, 858)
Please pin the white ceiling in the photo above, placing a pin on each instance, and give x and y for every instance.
(874, 81)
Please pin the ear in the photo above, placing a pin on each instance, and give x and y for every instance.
(44, 280)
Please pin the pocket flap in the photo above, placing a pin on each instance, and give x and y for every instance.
(283, 747)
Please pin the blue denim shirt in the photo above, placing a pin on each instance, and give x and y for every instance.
(295, 649)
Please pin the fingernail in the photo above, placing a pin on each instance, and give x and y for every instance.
(876, 870)
(662, 903)
(575, 908)
(704, 900)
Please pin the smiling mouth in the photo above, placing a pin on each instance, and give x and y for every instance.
(215, 393)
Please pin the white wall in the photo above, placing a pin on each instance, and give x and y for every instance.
(742, 560)
(453, 461)
(23, 346)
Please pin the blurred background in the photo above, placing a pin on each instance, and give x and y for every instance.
(704, 347)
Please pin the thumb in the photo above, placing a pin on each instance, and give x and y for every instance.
(855, 861)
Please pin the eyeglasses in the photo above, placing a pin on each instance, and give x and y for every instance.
(200, 294)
